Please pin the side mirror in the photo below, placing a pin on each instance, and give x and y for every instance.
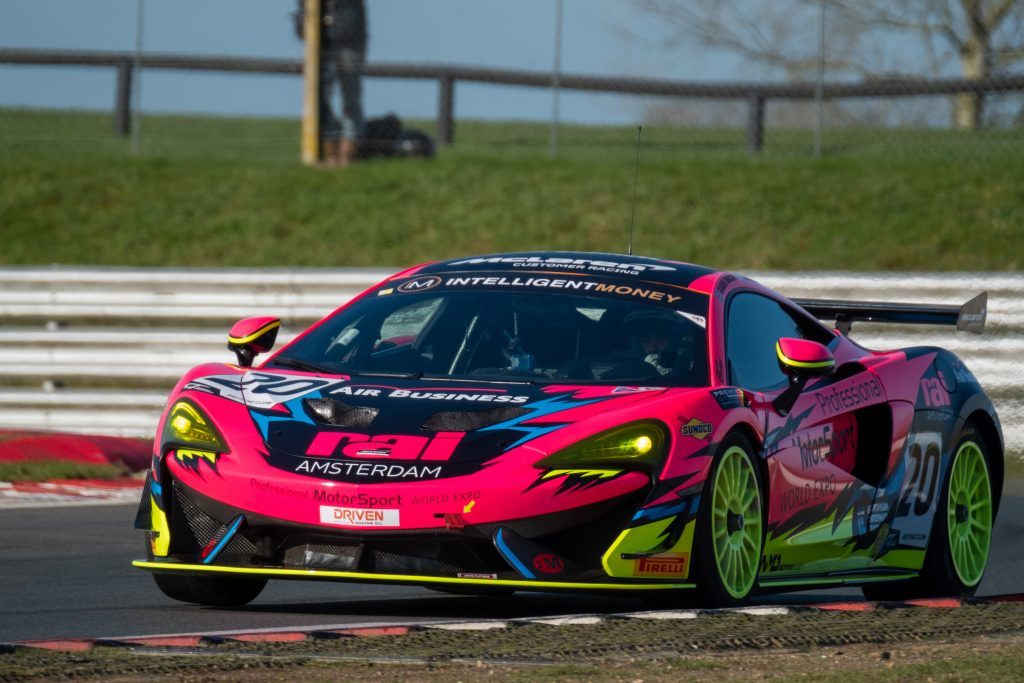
(801, 360)
(252, 336)
(804, 358)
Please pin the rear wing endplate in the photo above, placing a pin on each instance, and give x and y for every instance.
(970, 317)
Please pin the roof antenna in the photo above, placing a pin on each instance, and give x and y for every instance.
(636, 171)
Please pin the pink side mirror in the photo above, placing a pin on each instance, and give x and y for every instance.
(252, 336)
(804, 357)
(801, 360)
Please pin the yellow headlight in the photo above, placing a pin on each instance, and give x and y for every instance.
(639, 442)
(181, 425)
(186, 424)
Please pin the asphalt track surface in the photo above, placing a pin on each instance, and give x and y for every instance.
(65, 572)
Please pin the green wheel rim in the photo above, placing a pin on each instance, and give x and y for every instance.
(736, 526)
(969, 513)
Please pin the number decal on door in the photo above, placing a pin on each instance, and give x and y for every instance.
(925, 453)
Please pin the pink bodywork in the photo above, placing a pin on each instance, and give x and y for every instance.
(507, 487)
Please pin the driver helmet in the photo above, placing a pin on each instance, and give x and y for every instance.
(661, 337)
(644, 323)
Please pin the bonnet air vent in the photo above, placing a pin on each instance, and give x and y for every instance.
(333, 412)
(468, 420)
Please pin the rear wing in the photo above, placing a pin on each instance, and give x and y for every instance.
(969, 317)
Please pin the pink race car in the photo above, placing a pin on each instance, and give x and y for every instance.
(573, 421)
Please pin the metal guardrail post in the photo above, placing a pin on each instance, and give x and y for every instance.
(446, 109)
(123, 99)
(755, 122)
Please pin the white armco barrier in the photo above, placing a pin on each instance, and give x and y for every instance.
(96, 350)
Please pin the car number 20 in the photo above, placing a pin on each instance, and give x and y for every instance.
(925, 454)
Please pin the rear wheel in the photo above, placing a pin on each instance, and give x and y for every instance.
(958, 552)
(961, 535)
(731, 525)
(215, 591)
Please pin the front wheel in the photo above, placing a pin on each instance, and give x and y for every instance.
(731, 525)
(214, 591)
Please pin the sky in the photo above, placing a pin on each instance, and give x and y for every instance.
(512, 35)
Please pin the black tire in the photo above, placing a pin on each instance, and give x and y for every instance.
(707, 568)
(213, 591)
(939, 576)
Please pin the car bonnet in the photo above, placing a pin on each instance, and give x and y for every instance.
(457, 425)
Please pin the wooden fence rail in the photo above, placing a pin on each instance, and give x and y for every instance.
(756, 95)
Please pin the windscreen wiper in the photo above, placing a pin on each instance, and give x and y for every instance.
(505, 379)
(301, 365)
(393, 375)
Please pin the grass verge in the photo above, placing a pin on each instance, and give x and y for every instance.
(230, 192)
(45, 470)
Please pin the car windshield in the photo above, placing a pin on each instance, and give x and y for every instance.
(625, 335)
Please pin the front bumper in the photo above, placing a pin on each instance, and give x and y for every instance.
(557, 551)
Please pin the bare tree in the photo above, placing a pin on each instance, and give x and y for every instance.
(986, 36)
(866, 38)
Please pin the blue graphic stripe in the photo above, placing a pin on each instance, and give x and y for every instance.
(664, 511)
(232, 528)
(508, 555)
(537, 410)
(295, 413)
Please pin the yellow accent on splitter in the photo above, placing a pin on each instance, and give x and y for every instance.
(331, 575)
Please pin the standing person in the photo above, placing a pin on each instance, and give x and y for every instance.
(342, 57)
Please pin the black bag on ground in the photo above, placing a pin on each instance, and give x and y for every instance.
(385, 137)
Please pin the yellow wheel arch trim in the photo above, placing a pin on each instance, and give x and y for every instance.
(411, 579)
(255, 335)
(802, 364)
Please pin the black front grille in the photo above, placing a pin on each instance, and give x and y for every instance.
(429, 557)
(325, 554)
(191, 528)
(242, 550)
(439, 558)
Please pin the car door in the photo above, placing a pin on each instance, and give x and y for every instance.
(816, 500)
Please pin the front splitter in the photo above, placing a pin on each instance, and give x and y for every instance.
(406, 579)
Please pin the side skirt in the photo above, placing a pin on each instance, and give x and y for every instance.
(851, 578)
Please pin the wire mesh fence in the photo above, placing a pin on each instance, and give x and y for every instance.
(542, 77)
